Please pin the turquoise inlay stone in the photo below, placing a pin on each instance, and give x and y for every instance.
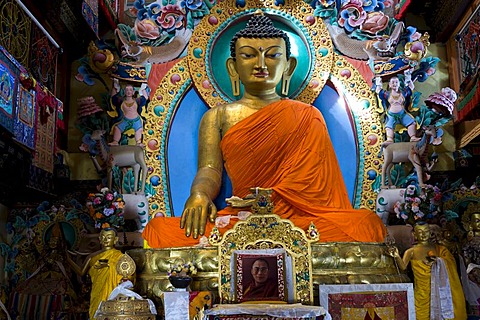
(374, 127)
(158, 110)
(154, 206)
(323, 52)
(365, 104)
(150, 132)
(219, 11)
(181, 69)
(198, 53)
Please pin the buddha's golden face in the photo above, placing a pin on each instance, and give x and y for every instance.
(422, 232)
(475, 222)
(260, 63)
(107, 239)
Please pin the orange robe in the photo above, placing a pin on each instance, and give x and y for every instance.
(285, 146)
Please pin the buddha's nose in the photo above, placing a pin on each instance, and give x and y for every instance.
(261, 62)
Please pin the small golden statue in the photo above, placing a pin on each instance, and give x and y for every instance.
(429, 260)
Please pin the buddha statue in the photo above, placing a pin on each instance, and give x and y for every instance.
(101, 267)
(268, 141)
(470, 265)
(438, 291)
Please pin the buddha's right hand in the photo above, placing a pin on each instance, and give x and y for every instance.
(197, 209)
(393, 251)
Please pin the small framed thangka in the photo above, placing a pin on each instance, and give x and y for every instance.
(26, 106)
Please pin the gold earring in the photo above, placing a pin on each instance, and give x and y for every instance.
(235, 81)
(285, 83)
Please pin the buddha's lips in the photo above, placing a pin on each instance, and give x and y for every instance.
(261, 74)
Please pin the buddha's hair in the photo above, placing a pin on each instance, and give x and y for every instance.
(259, 27)
(420, 224)
(110, 229)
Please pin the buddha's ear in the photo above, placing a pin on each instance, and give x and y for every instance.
(231, 68)
(291, 66)
(234, 78)
(287, 75)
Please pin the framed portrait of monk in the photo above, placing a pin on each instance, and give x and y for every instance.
(260, 275)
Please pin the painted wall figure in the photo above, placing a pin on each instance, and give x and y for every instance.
(396, 101)
(130, 109)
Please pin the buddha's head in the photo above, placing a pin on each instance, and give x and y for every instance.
(108, 237)
(260, 56)
(422, 232)
(475, 222)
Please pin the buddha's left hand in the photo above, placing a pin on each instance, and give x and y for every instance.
(101, 264)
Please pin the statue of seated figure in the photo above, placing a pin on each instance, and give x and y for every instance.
(266, 141)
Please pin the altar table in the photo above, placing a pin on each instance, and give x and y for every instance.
(246, 311)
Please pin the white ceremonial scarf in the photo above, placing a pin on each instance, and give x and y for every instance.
(441, 303)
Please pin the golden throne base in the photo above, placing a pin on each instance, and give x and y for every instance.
(333, 263)
(125, 310)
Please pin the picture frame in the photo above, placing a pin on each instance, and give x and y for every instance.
(393, 301)
(260, 275)
(7, 86)
(26, 106)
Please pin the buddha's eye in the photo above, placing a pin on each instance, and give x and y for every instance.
(246, 55)
(274, 55)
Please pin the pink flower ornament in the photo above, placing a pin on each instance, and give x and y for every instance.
(146, 29)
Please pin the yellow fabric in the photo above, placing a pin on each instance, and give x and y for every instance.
(422, 274)
(285, 146)
(104, 280)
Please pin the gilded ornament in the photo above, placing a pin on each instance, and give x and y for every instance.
(125, 266)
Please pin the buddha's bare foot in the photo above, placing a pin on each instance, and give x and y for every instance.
(113, 143)
(415, 139)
